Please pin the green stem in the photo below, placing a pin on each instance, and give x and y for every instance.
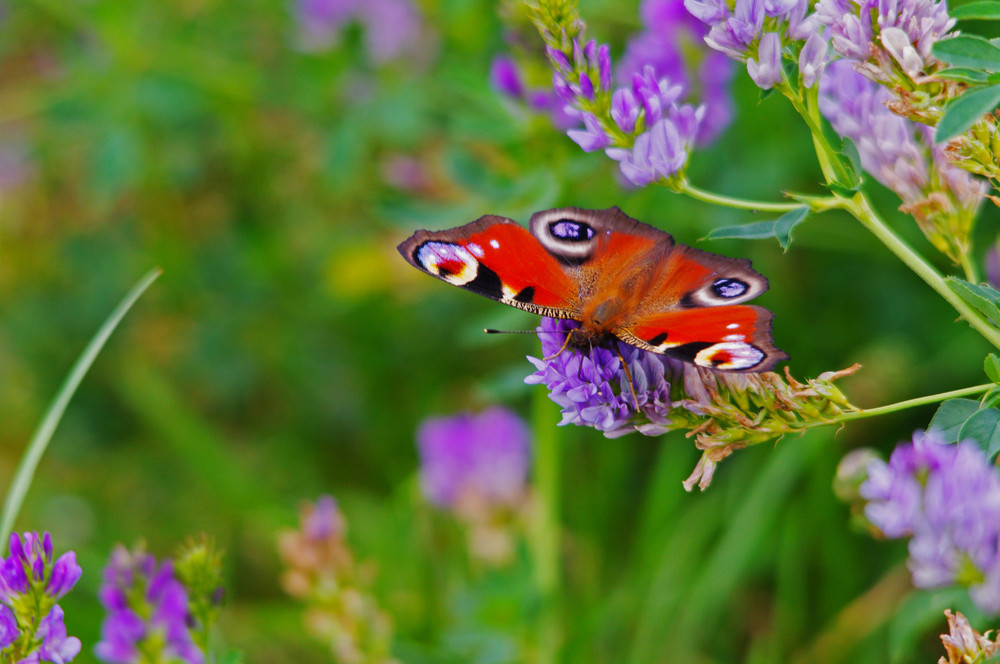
(863, 212)
(686, 187)
(968, 268)
(43, 434)
(544, 537)
(903, 405)
(829, 162)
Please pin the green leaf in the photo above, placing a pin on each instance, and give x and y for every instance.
(985, 299)
(961, 112)
(780, 228)
(991, 365)
(985, 10)
(951, 415)
(992, 396)
(851, 158)
(983, 426)
(963, 74)
(968, 51)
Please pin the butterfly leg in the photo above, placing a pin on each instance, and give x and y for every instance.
(628, 376)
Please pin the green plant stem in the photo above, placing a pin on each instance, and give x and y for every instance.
(863, 212)
(686, 187)
(903, 405)
(43, 434)
(971, 275)
(544, 536)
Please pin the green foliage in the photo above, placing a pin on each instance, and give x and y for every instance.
(780, 228)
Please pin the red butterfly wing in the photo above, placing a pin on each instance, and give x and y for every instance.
(496, 257)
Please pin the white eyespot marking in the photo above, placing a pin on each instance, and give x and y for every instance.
(730, 355)
(476, 250)
(508, 292)
(449, 262)
(732, 326)
(495, 243)
(729, 288)
(734, 337)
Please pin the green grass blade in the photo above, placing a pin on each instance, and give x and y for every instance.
(43, 434)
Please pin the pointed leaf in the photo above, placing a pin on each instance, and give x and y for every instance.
(780, 228)
(985, 299)
(992, 367)
(950, 417)
(968, 51)
(963, 74)
(985, 10)
(962, 112)
(983, 426)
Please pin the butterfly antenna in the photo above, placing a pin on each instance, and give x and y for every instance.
(490, 330)
(628, 375)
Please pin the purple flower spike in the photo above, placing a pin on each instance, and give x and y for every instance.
(946, 498)
(711, 12)
(8, 627)
(586, 87)
(767, 72)
(559, 59)
(593, 390)
(325, 521)
(486, 456)
(604, 66)
(661, 151)
(505, 77)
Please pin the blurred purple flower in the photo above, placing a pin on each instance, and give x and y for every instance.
(147, 607)
(324, 520)
(486, 455)
(392, 27)
(8, 627)
(592, 388)
(505, 77)
(894, 150)
(946, 498)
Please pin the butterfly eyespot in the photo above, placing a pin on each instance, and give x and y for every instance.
(451, 262)
(729, 288)
(730, 356)
(571, 231)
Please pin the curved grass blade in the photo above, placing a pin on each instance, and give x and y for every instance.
(40, 440)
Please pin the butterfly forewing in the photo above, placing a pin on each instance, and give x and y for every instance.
(496, 257)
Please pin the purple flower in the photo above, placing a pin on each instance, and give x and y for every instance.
(592, 388)
(813, 59)
(8, 627)
(57, 647)
(661, 151)
(392, 27)
(946, 498)
(592, 137)
(766, 72)
(30, 563)
(134, 586)
(487, 456)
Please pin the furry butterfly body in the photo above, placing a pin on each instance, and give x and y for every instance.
(618, 277)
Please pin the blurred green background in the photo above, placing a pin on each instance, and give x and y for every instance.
(288, 351)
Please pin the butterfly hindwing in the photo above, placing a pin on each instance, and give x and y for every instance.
(729, 338)
(499, 259)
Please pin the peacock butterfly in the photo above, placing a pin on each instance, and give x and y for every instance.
(620, 278)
